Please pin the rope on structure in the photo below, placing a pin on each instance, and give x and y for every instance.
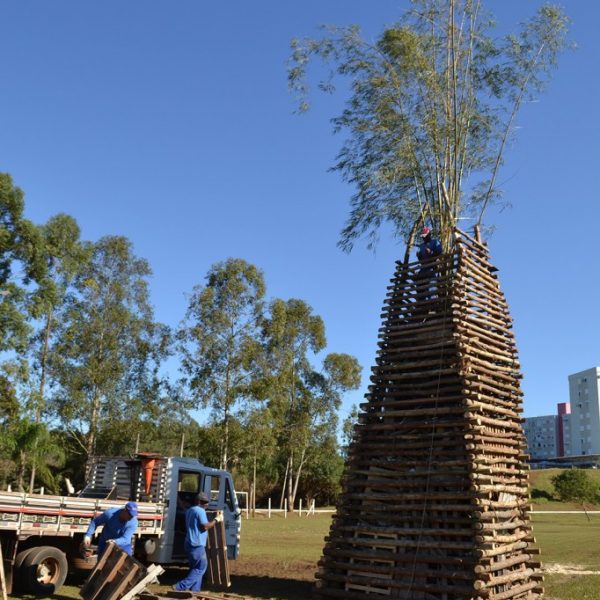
(430, 454)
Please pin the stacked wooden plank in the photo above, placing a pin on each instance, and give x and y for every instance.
(217, 572)
(118, 575)
(435, 500)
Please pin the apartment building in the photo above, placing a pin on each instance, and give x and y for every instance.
(584, 420)
(542, 436)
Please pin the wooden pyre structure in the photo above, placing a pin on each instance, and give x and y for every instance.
(435, 500)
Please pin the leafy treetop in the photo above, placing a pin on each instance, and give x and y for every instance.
(433, 102)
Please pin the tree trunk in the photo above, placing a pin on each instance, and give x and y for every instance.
(41, 401)
(287, 468)
(21, 472)
(290, 484)
(95, 417)
(225, 441)
(298, 472)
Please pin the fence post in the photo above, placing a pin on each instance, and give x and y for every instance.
(285, 509)
(269, 508)
(300, 508)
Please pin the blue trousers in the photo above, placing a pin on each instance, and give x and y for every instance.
(198, 565)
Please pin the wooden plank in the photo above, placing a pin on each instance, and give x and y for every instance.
(217, 573)
(96, 579)
(115, 574)
(119, 583)
(152, 573)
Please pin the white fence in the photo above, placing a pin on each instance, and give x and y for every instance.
(270, 511)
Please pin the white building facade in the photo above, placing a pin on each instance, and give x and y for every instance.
(575, 428)
(584, 420)
(542, 438)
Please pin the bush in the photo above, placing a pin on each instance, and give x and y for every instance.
(574, 485)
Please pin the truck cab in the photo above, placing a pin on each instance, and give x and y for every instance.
(171, 483)
(185, 479)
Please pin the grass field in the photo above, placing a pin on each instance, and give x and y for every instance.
(542, 490)
(279, 557)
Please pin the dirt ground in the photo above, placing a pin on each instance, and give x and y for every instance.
(260, 580)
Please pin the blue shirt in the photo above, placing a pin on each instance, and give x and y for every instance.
(120, 532)
(429, 249)
(195, 520)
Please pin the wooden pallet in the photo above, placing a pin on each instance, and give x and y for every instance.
(434, 503)
(217, 573)
(117, 575)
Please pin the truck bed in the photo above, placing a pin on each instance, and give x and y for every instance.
(35, 514)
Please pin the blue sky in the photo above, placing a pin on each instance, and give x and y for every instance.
(171, 123)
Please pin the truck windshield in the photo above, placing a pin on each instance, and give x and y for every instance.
(188, 485)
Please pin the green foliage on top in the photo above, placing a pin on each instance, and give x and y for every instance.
(432, 105)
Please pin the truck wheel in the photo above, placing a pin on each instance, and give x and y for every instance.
(44, 570)
(18, 573)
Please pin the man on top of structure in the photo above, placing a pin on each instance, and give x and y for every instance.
(119, 525)
(429, 247)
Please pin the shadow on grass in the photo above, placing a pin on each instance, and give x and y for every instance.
(255, 586)
(537, 494)
(271, 587)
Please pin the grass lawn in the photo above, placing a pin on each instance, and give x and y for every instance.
(279, 557)
(542, 490)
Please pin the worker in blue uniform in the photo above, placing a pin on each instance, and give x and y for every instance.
(196, 525)
(118, 526)
(428, 250)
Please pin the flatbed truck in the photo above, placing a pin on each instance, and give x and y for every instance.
(42, 535)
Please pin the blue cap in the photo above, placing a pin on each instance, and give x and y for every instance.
(132, 508)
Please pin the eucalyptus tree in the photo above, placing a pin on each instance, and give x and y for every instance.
(64, 255)
(218, 340)
(108, 349)
(348, 426)
(259, 460)
(433, 103)
(9, 415)
(21, 265)
(302, 400)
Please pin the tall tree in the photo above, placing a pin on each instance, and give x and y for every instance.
(108, 349)
(433, 103)
(302, 400)
(21, 264)
(64, 256)
(260, 445)
(218, 340)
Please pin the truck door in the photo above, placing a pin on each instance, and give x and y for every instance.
(219, 488)
(189, 483)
